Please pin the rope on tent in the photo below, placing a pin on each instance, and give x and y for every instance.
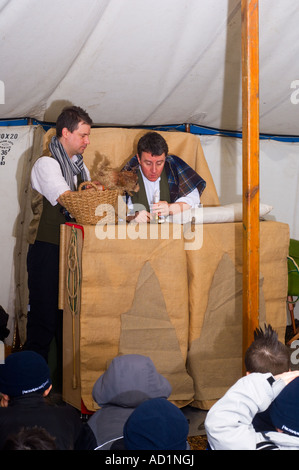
(73, 291)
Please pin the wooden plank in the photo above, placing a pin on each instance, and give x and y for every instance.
(250, 157)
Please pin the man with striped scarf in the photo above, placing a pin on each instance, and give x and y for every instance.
(61, 170)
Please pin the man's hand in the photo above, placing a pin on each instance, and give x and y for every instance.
(4, 400)
(141, 217)
(164, 208)
(161, 208)
(287, 377)
(98, 185)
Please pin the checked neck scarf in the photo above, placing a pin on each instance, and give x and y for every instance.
(182, 179)
(68, 167)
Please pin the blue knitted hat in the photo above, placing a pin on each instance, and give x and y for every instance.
(24, 372)
(156, 424)
(284, 411)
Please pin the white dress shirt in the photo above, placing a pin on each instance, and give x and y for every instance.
(151, 187)
(47, 178)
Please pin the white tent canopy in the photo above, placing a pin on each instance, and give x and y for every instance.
(146, 62)
(149, 63)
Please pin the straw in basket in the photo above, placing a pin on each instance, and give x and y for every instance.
(82, 204)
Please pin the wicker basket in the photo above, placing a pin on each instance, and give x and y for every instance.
(82, 204)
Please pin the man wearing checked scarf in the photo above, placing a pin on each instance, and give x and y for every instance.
(177, 186)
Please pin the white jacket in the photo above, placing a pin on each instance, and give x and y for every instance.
(229, 422)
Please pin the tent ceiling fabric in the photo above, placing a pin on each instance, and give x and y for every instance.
(146, 62)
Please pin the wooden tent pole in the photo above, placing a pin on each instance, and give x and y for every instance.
(250, 156)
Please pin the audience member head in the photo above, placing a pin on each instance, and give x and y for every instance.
(35, 438)
(156, 424)
(24, 373)
(267, 354)
(129, 380)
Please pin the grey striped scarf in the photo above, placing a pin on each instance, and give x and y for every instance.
(68, 167)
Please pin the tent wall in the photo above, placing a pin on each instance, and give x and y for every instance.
(149, 62)
(279, 170)
(19, 147)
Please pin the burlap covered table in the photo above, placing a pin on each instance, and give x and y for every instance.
(168, 298)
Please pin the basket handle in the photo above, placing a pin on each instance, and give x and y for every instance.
(85, 183)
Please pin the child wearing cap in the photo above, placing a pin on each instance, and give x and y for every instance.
(156, 424)
(129, 380)
(25, 382)
(229, 423)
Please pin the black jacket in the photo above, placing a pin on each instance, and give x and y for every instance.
(60, 421)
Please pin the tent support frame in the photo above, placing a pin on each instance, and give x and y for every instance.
(250, 159)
